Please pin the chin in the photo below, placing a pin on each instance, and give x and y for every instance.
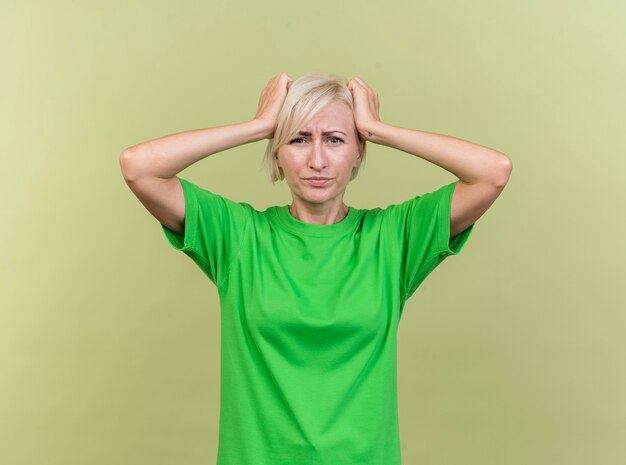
(320, 196)
(316, 198)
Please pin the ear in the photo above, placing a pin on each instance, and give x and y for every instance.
(361, 150)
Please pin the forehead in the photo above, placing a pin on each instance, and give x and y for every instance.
(335, 112)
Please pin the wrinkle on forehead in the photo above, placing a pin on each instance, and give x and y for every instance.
(332, 118)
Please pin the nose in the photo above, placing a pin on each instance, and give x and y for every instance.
(317, 157)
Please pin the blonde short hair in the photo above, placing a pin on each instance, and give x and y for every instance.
(307, 95)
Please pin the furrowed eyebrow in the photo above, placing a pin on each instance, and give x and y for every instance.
(324, 133)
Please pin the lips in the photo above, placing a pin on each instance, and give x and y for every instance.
(317, 181)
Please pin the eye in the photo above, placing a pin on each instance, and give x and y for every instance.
(336, 138)
(296, 139)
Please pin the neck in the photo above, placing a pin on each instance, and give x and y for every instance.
(319, 215)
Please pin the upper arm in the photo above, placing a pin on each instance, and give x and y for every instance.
(163, 198)
(470, 201)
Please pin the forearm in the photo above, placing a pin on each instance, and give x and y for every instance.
(167, 156)
(471, 163)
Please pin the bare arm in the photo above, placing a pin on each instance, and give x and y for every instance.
(167, 156)
(150, 168)
(483, 172)
(470, 162)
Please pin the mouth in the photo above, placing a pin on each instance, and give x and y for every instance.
(317, 180)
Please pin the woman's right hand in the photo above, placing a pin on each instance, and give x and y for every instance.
(271, 101)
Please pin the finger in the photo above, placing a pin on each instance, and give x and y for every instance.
(355, 81)
(364, 84)
(358, 80)
(355, 86)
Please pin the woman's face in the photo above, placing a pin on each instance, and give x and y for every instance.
(327, 147)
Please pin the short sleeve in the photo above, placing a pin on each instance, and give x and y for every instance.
(214, 226)
(424, 222)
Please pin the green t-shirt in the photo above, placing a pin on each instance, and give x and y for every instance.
(309, 316)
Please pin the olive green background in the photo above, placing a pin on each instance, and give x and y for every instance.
(511, 353)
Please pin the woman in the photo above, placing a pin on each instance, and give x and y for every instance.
(312, 293)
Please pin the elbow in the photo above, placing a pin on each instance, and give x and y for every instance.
(505, 167)
(128, 164)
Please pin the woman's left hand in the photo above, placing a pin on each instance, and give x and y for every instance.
(365, 107)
